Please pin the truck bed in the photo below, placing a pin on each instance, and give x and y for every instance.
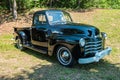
(21, 28)
(26, 30)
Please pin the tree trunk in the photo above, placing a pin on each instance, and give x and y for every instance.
(51, 3)
(78, 3)
(14, 9)
(10, 5)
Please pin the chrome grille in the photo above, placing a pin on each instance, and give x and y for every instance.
(93, 47)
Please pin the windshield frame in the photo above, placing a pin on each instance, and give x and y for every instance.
(63, 14)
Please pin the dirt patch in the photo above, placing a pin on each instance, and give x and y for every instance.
(22, 21)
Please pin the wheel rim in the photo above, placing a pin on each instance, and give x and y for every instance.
(64, 56)
(19, 44)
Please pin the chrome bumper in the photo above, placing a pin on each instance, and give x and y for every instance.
(96, 58)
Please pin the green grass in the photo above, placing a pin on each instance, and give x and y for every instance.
(28, 64)
(6, 42)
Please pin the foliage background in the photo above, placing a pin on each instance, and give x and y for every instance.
(74, 4)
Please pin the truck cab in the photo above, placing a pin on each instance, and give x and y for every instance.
(54, 32)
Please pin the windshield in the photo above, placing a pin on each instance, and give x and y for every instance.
(58, 17)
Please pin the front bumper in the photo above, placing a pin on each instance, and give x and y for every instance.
(96, 58)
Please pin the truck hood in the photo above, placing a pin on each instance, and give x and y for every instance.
(78, 29)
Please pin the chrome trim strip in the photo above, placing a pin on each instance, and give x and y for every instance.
(93, 45)
(92, 51)
(94, 42)
(93, 48)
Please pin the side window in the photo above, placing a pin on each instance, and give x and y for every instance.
(42, 19)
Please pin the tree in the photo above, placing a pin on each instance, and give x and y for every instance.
(10, 5)
(14, 9)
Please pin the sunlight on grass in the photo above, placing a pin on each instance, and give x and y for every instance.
(6, 43)
(93, 70)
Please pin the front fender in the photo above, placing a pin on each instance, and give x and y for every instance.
(68, 42)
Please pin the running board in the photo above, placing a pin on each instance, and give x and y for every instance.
(43, 51)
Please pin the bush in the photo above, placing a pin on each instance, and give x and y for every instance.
(81, 4)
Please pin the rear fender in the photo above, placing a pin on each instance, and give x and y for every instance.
(22, 36)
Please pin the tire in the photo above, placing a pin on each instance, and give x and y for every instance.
(64, 56)
(19, 44)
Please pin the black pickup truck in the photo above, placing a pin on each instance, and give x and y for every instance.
(54, 32)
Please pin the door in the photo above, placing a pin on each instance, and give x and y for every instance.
(38, 30)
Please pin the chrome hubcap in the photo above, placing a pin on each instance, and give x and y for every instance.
(64, 56)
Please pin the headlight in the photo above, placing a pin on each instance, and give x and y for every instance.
(82, 42)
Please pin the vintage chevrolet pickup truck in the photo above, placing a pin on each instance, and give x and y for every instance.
(54, 33)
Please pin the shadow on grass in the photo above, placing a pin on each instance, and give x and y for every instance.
(102, 70)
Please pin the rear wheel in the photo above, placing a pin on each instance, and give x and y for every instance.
(64, 56)
(19, 44)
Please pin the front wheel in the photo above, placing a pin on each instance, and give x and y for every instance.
(64, 56)
(19, 44)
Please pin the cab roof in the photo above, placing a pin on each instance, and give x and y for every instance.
(44, 11)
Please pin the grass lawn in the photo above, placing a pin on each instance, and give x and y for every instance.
(28, 64)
